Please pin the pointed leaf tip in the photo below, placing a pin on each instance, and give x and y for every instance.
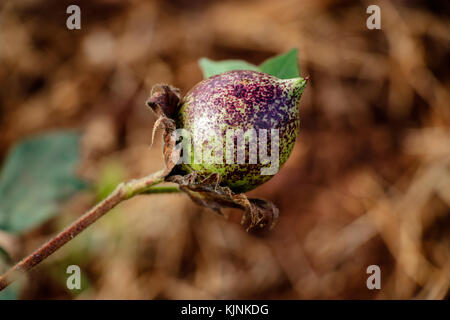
(283, 66)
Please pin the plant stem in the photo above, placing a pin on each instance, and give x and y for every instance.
(122, 192)
(164, 189)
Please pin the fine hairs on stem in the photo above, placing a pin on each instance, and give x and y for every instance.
(123, 191)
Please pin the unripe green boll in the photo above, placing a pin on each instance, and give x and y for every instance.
(222, 112)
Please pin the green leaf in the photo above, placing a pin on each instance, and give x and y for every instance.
(283, 66)
(211, 68)
(111, 174)
(11, 292)
(38, 175)
(4, 256)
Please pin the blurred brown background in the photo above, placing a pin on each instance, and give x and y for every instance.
(368, 181)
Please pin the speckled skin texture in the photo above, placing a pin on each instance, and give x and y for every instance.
(241, 100)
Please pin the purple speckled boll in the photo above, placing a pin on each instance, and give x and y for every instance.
(243, 100)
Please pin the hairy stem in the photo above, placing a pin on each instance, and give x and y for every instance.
(164, 189)
(122, 192)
